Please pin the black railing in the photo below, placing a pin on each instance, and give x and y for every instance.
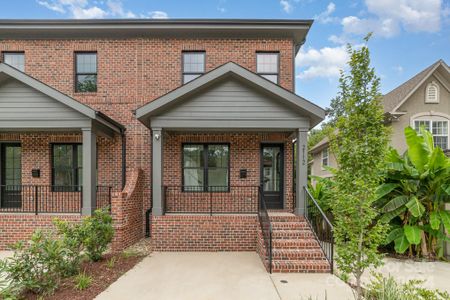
(266, 227)
(321, 226)
(39, 199)
(211, 200)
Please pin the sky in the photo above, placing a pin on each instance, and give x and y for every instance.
(408, 35)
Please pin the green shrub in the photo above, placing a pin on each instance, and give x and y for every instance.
(72, 239)
(36, 265)
(82, 281)
(386, 288)
(97, 233)
(111, 262)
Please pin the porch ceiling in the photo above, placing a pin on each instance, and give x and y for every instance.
(230, 97)
(26, 104)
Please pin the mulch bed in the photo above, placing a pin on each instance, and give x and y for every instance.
(102, 277)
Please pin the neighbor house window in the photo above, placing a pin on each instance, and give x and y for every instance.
(15, 60)
(67, 170)
(267, 65)
(206, 167)
(325, 158)
(86, 72)
(193, 65)
(432, 93)
(439, 130)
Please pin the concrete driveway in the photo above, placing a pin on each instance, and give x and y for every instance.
(219, 275)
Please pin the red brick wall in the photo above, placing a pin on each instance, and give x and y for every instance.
(244, 154)
(127, 212)
(16, 227)
(204, 233)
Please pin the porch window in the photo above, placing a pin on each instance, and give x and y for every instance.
(86, 72)
(267, 65)
(67, 171)
(206, 167)
(15, 60)
(193, 65)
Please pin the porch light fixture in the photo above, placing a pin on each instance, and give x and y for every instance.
(157, 136)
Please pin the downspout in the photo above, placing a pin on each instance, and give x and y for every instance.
(124, 158)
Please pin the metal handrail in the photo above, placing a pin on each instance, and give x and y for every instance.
(263, 215)
(321, 227)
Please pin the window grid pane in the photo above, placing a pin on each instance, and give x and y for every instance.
(267, 66)
(193, 65)
(86, 72)
(15, 60)
(439, 130)
(67, 165)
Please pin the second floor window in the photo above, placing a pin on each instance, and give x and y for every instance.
(86, 72)
(67, 171)
(267, 65)
(193, 65)
(325, 158)
(15, 60)
(439, 130)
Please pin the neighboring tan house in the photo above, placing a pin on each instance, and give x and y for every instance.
(424, 100)
(184, 127)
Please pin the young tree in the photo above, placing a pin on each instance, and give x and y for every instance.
(360, 144)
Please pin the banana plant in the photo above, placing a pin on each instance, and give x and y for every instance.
(412, 198)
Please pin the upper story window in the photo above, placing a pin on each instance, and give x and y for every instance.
(325, 157)
(439, 130)
(267, 65)
(432, 93)
(15, 60)
(86, 72)
(193, 65)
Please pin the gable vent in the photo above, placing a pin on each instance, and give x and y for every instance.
(432, 93)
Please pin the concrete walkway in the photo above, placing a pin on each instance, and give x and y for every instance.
(219, 275)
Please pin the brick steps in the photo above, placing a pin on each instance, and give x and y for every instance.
(294, 247)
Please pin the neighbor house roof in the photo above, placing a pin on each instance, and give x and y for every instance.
(395, 98)
(320, 145)
(7, 72)
(306, 108)
(198, 28)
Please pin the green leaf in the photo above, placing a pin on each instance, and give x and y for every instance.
(446, 189)
(395, 203)
(401, 244)
(412, 233)
(394, 234)
(418, 151)
(385, 189)
(434, 220)
(387, 217)
(415, 207)
(445, 218)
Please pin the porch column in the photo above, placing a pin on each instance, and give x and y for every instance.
(301, 167)
(157, 172)
(89, 171)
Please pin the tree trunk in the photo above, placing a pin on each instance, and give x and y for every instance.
(423, 244)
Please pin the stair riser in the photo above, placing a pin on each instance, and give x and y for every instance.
(293, 235)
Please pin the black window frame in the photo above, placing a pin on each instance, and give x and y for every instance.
(76, 74)
(183, 73)
(17, 53)
(277, 53)
(77, 186)
(205, 188)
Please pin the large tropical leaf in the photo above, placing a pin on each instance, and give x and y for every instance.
(385, 189)
(401, 244)
(415, 207)
(435, 220)
(412, 233)
(445, 218)
(395, 203)
(394, 234)
(387, 217)
(427, 138)
(418, 151)
(437, 160)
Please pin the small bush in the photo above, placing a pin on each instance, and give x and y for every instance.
(97, 232)
(111, 262)
(72, 239)
(386, 288)
(82, 281)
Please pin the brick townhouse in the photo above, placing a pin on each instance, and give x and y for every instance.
(187, 129)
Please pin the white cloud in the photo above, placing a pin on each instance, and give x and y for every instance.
(287, 6)
(158, 14)
(87, 9)
(388, 17)
(398, 69)
(321, 63)
(221, 6)
(325, 16)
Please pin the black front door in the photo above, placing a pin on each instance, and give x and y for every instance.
(272, 171)
(10, 175)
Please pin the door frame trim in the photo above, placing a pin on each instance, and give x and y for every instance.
(282, 182)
